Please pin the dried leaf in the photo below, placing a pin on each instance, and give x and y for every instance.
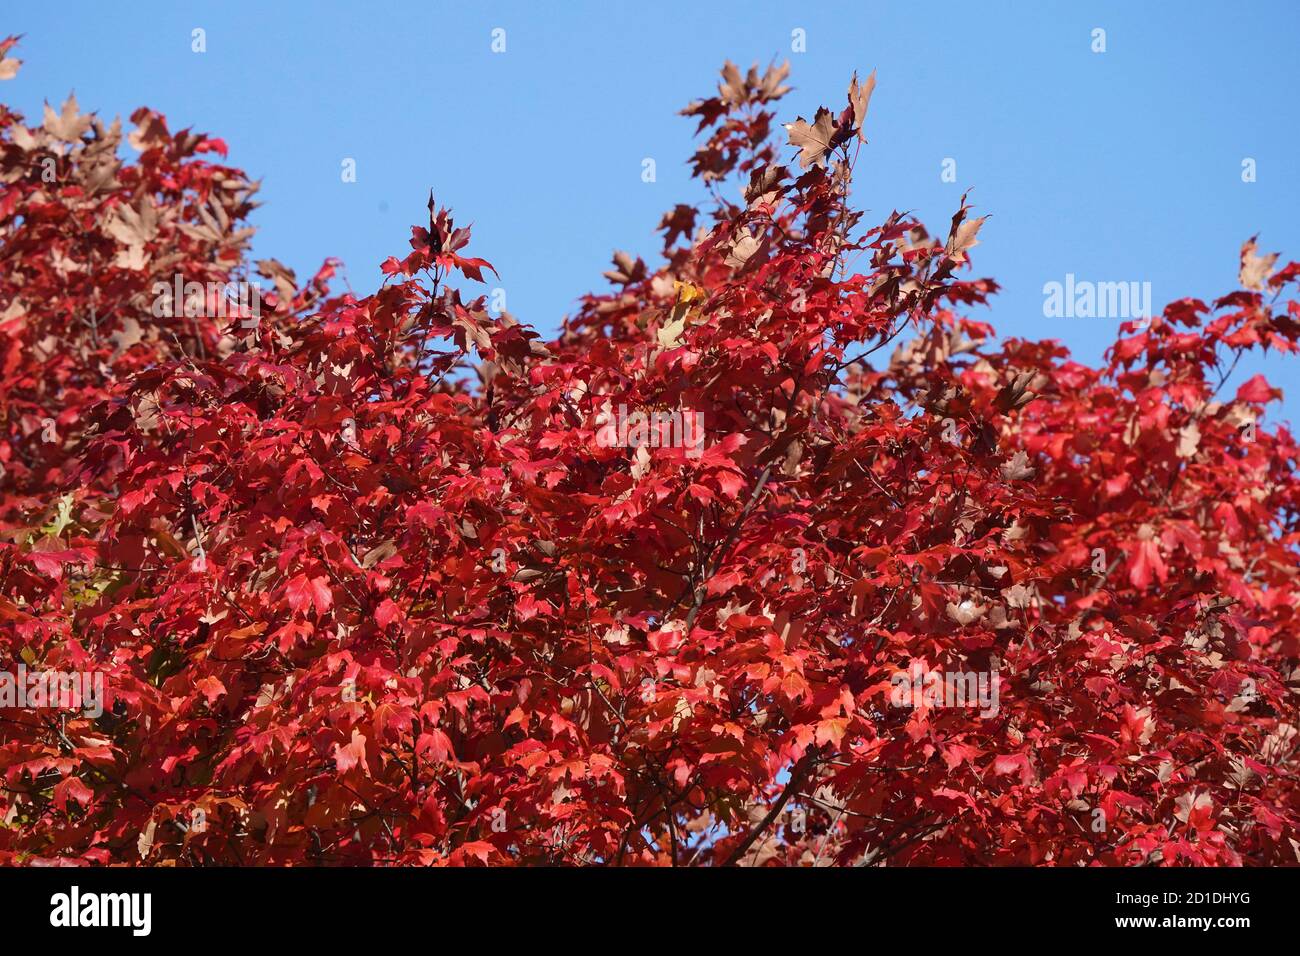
(1255, 269)
(70, 124)
(814, 141)
(963, 238)
(1018, 468)
(859, 98)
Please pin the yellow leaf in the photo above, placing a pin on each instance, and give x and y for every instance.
(688, 293)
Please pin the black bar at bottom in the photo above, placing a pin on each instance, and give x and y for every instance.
(445, 907)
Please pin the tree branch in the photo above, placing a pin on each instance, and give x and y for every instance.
(797, 778)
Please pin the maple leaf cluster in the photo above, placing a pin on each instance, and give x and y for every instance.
(365, 586)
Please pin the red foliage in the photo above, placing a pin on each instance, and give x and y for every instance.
(353, 607)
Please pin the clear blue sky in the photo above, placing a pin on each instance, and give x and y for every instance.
(1124, 165)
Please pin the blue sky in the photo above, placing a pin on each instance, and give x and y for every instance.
(1115, 166)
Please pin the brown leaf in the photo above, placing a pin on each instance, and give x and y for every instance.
(69, 124)
(477, 329)
(770, 88)
(764, 183)
(130, 333)
(732, 88)
(965, 612)
(1017, 596)
(626, 268)
(793, 455)
(669, 335)
(380, 552)
(963, 238)
(745, 248)
(150, 130)
(1255, 269)
(1018, 468)
(144, 843)
(286, 281)
(134, 227)
(24, 139)
(9, 68)
(813, 141)
(1017, 393)
(859, 97)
